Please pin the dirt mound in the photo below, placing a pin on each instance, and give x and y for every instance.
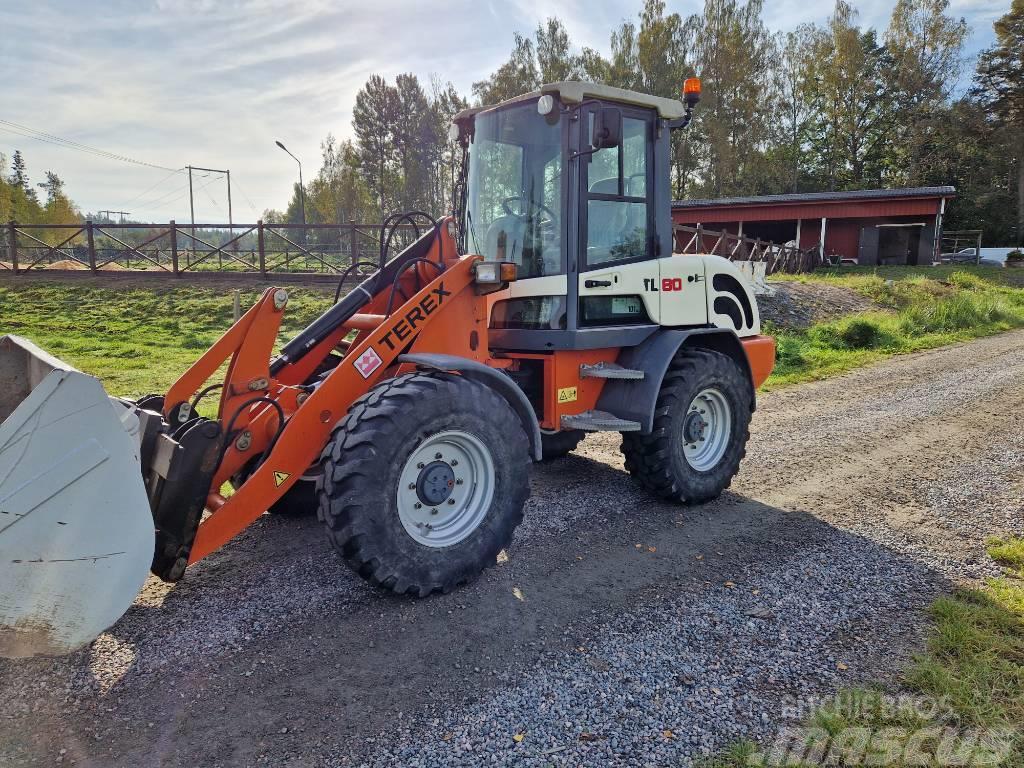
(798, 305)
(65, 264)
(79, 266)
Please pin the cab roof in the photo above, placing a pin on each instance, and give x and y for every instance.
(574, 92)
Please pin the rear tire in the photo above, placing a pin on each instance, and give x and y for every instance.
(411, 522)
(701, 428)
(558, 444)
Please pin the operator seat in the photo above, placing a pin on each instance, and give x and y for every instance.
(514, 228)
(610, 229)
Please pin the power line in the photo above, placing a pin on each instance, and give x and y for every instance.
(49, 138)
(238, 186)
(162, 201)
(150, 189)
(216, 204)
(25, 131)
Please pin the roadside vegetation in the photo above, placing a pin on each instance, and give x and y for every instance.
(918, 308)
(965, 688)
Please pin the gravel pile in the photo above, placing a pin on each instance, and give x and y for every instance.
(798, 305)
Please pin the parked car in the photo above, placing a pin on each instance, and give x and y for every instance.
(963, 256)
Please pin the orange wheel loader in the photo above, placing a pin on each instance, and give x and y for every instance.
(549, 305)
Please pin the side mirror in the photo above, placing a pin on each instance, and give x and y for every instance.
(607, 128)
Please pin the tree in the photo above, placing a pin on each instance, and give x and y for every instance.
(999, 88)
(415, 134)
(54, 187)
(733, 52)
(925, 46)
(446, 102)
(338, 194)
(793, 75)
(555, 61)
(975, 158)
(374, 118)
(851, 102)
(58, 209)
(20, 182)
(516, 76)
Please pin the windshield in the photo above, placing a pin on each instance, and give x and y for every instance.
(514, 192)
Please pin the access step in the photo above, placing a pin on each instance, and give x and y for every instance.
(599, 421)
(609, 371)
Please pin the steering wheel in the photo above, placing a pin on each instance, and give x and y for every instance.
(552, 218)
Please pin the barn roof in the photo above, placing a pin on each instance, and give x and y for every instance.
(819, 197)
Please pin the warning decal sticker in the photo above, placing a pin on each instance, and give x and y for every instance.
(567, 395)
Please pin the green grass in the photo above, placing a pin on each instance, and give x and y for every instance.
(136, 340)
(969, 677)
(919, 308)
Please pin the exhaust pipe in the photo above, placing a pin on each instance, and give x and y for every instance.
(76, 530)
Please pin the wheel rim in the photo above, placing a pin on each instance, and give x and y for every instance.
(707, 427)
(446, 488)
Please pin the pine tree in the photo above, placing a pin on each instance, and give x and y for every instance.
(999, 86)
(374, 118)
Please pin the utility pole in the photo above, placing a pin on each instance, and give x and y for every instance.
(192, 206)
(110, 214)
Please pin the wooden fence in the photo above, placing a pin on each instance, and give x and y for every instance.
(263, 248)
(779, 258)
(179, 249)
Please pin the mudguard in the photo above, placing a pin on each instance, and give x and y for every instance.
(635, 400)
(497, 380)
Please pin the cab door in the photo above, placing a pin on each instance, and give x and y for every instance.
(617, 226)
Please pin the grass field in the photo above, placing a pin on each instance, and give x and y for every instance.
(136, 340)
(918, 308)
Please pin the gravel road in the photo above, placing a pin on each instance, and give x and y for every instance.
(616, 630)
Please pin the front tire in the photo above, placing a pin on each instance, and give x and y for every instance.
(700, 433)
(424, 482)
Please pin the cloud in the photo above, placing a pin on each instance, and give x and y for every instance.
(215, 82)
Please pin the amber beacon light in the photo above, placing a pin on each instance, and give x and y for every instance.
(691, 90)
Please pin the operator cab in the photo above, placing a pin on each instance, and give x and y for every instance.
(569, 183)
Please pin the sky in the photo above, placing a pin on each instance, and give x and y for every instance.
(214, 83)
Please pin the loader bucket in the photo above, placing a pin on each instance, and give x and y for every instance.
(76, 531)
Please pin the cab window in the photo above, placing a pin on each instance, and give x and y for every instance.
(514, 192)
(618, 215)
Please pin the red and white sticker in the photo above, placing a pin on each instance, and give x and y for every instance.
(368, 362)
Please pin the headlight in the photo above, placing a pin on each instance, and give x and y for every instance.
(494, 274)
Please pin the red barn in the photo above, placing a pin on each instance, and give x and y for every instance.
(873, 226)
